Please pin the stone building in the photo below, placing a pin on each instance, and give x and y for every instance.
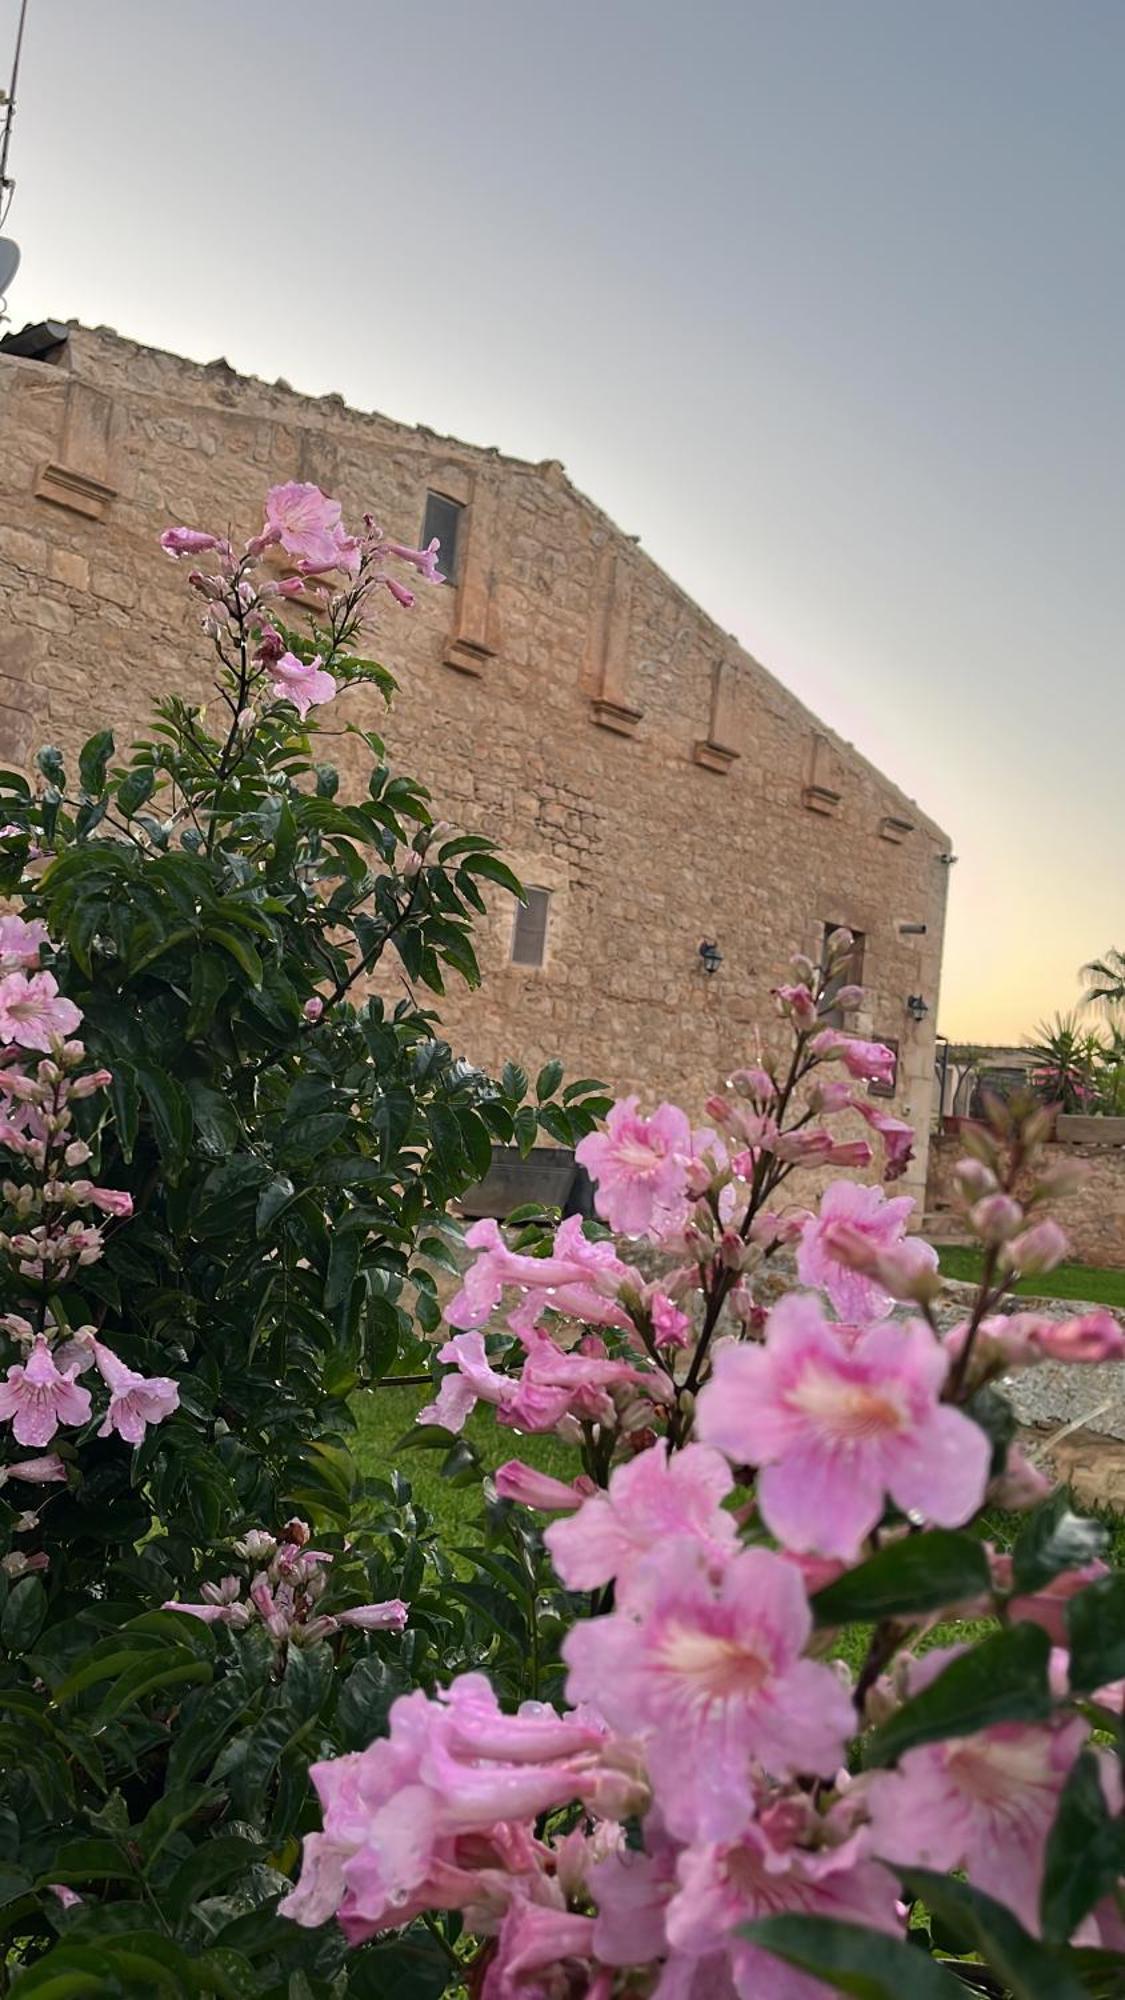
(652, 783)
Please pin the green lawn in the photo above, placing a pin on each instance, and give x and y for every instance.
(386, 1415)
(1070, 1281)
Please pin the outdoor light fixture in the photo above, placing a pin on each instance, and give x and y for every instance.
(711, 957)
(916, 1007)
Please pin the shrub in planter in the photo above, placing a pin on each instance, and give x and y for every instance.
(226, 1170)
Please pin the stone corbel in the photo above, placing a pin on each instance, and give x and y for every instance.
(825, 787)
(894, 828)
(475, 638)
(81, 479)
(716, 751)
(607, 657)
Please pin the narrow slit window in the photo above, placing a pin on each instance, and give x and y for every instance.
(849, 972)
(443, 520)
(529, 932)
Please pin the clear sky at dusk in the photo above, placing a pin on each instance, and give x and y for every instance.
(824, 299)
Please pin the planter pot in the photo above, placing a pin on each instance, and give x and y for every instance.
(548, 1177)
(1073, 1128)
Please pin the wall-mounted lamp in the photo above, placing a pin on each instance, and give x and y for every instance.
(916, 1007)
(710, 957)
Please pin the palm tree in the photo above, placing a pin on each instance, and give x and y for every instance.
(1106, 978)
(1066, 1056)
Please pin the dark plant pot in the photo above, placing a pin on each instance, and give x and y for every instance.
(548, 1177)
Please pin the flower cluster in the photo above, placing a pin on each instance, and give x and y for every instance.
(302, 552)
(284, 1593)
(45, 1235)
(741, 1461)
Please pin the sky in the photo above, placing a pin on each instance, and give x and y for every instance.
(823, 299)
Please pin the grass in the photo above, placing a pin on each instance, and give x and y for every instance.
(385, 1415)
(1087, 1282)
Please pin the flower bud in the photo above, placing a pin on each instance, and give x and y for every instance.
(974, 1179)
(528, 1488)
(996, 1218)
(1037, 1250)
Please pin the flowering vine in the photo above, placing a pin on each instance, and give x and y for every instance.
(750, 1477)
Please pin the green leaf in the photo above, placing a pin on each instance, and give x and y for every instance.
(1095, 1621)
(201, 1873)
(93, 761)
(525, 1126)
(210, 977)
(1029, 1970)
(919, 1573)
(548, 1081)
(135, 790)
(21, 1620)
(1054, 1539)
(1085, 1852)
(365, 1701)
(343, 1264)
(125, 1099)
(169, 1107)
(215, 1119)
(274, 1198)
(850, 1959)
(1003, 1679)
(240, 949)
(513, 1082)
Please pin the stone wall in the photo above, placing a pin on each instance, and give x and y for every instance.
(565, 699)
(1093, 1217)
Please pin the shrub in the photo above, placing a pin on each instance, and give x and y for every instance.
(228, 1165)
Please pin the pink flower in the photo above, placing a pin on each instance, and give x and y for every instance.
(871, 1061)
(35, 1471)
(33, 1012)
(985, 1803)
(580, 1279)
(534, 1940)
(655, 1497)
(110, 1201)
(1047, 1605)
(854, 1219)
(529, 1488)
(766, 1873)
(896, 1134)
(1093, 1336)
(670, 1326)
(836, 1428)
(69, 1898)
(639, 1165)
(308, 526)
(389, 1617)
(411, 1822)
(314, 1008)
(177, 542)
(1038, 1249)
(135, 1400)
(711, 1676)
(425, 561)
(305, 685)
(20, 943)
(1020, 1485)
(270, 647)
(798, 1005)
(36, 1398)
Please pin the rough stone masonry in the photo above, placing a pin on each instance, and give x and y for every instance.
(561, 695)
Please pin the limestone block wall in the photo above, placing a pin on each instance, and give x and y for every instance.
(565, 698)
(1093, 1217)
